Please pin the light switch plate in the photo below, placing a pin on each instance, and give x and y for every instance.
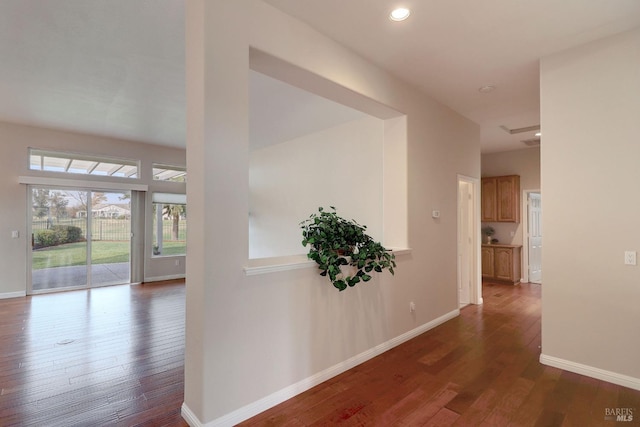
(630, 258)
(435, 214)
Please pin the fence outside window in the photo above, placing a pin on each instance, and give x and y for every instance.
(111, 229)
(101, 228)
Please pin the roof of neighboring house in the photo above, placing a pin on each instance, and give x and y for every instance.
(105, 206)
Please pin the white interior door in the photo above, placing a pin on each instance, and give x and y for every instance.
(465, 242)
(535, 237)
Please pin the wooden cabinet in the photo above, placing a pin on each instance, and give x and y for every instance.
(501, 263)
(508, 198)
(501, 199)
(489, 191)
(487, 262)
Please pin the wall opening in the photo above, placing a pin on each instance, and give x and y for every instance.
(314, 143)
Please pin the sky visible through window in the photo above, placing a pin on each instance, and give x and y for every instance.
(82, 164)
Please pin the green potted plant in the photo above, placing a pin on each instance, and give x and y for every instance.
(488, 232)
(336, 242)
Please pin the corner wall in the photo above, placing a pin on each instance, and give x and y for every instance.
(299, 325)
(590, 105)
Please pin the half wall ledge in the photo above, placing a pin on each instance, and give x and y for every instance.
(294, 262)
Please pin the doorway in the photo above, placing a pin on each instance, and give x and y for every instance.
(534, 236)
(468, 245)
(79, 238)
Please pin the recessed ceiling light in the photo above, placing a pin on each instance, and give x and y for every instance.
(399, 14)
(486, 88)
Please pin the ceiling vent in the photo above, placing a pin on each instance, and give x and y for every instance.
(520, 130)
(534, 142)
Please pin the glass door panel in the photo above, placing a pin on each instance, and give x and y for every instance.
(110, 238)
(59, 239)
(80, 238)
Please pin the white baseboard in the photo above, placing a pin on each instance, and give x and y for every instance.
(13, 294)
(189, 417)
(163, 278)
(590, 371)
(286, 393)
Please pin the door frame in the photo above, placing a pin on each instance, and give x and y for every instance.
(89, 238)
(525, 233)
(475, 293)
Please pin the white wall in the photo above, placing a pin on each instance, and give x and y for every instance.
(15, 141)
(340, 167)
(526, 163)
(298, 324)
(590, 104)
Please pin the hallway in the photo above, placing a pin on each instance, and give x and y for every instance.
(479, 369)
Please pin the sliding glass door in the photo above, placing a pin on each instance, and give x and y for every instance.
(58, 239)
(110, 238)
(80, 238)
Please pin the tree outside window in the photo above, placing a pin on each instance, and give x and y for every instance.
(169, 229)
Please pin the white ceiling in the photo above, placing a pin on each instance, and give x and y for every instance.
(106, 67)
(450, 48)
(116, 67)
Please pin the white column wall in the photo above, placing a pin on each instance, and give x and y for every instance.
(590, 100)
(250, 337)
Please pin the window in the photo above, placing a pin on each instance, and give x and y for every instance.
(169, 224)
(83, 164)
(169, 173)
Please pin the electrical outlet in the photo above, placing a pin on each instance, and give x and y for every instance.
(412, 307)
(630, 258)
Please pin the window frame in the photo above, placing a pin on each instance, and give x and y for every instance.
(157, 169)
(157, 238)
(85, 164)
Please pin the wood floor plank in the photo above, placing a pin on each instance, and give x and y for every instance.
(443, 418)
(429, 408)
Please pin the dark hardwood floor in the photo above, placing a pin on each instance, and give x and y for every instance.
(114, 356)
(479, 369)
(108, 356)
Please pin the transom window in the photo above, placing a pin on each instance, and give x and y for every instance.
(169, 173)
(54, 161)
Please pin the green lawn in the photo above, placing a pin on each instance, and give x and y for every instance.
(104, 252)
(173, 248)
